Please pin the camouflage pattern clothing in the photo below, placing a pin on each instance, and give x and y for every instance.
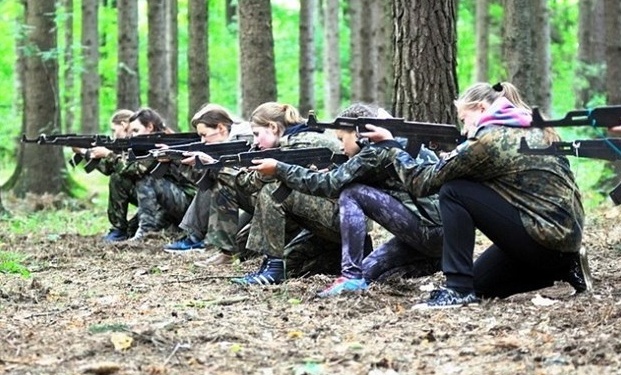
(122, 193)
(542, 188)
(372, 167)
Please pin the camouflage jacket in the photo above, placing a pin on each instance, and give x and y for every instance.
(108, 164)
(372, 166)
(542, 188)
(137, 170)
(249, 182)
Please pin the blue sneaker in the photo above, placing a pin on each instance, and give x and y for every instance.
(446, 298)
(185, 245)
(115, 235)
(343, 284)
(272, 271)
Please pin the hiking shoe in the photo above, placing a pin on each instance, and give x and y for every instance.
(115, 235)
(343, 284)
(272, 271)
(220, 258)
(579, 273)
(185, 245)
(444, 298)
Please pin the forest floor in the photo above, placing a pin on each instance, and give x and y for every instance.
(94, 308)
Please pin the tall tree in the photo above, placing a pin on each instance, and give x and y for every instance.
(542, 56)
(256, 45)
(332, 58)
(39, 169)
(361, 47)
(68, 94)
(381, 53)
(89, 92)
(158, 60)
(613, 51)
(590, 73)
(307, 55)
(198, 52)
(518, 47)
(172, 35)
(482, 37)
(425, 60)
(128, 77)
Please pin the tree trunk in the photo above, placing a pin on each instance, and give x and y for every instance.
(41, 167)
(308, 10)
(332, 58)
(482, 37)
(425, 60)
(518, 47)
(590, 73)
(231, 11)
(613, 51)
(381, 54)
(361, 47)
(89, 92)
(173, 56)
(159, 63)
(128, 77)
(198, 54)
(256, 45)
(68, 95)
(542, 58)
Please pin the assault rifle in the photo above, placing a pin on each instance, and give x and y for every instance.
(140, 144)
(603, 117)
(435, 136)
(178, 152)
(318, 157)
(604, 149)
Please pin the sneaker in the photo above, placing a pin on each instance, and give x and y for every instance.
(220, 258)
(115, 235)
(185, 245)
(343, 284)
(579, 274)
(272, 271)
(444, 298)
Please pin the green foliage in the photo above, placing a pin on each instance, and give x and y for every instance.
(11, 262)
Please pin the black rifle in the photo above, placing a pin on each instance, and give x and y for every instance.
(314, 157)
(603, 117)
(177, 152)
(140, 144)
(435, 136)
(604, 149)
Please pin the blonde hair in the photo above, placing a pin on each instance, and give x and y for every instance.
(283, 115)
(211, 115)
(121, 117)
(484, 92)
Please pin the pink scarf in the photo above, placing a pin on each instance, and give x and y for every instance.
(503, 112)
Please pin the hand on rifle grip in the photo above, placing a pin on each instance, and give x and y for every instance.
(376, 133)
(266, 167)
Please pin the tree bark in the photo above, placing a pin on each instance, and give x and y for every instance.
(518, 47)
(157, 54)
(89, 92)
(198, 54)
(308, 10)
(361, 47)
(381, 53)
(613, 51)
(41, 167)
(332, 58)
(172, 34)
(69, 84)
(482, 38)
(590, 73)
(256, 45)
(543, 61)
(128, 77)
(425, 80)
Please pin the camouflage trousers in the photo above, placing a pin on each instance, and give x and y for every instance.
(416, 249)
(302, 228)
(160, 203)
(196, 219)
(225, 205)
(122, 193)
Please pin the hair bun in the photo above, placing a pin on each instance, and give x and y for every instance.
(498, 87)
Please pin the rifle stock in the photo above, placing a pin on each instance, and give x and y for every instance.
(435, 136)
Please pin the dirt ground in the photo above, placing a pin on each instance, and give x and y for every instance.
(92, 308)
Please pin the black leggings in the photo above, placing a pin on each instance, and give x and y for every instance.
(515, 262)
